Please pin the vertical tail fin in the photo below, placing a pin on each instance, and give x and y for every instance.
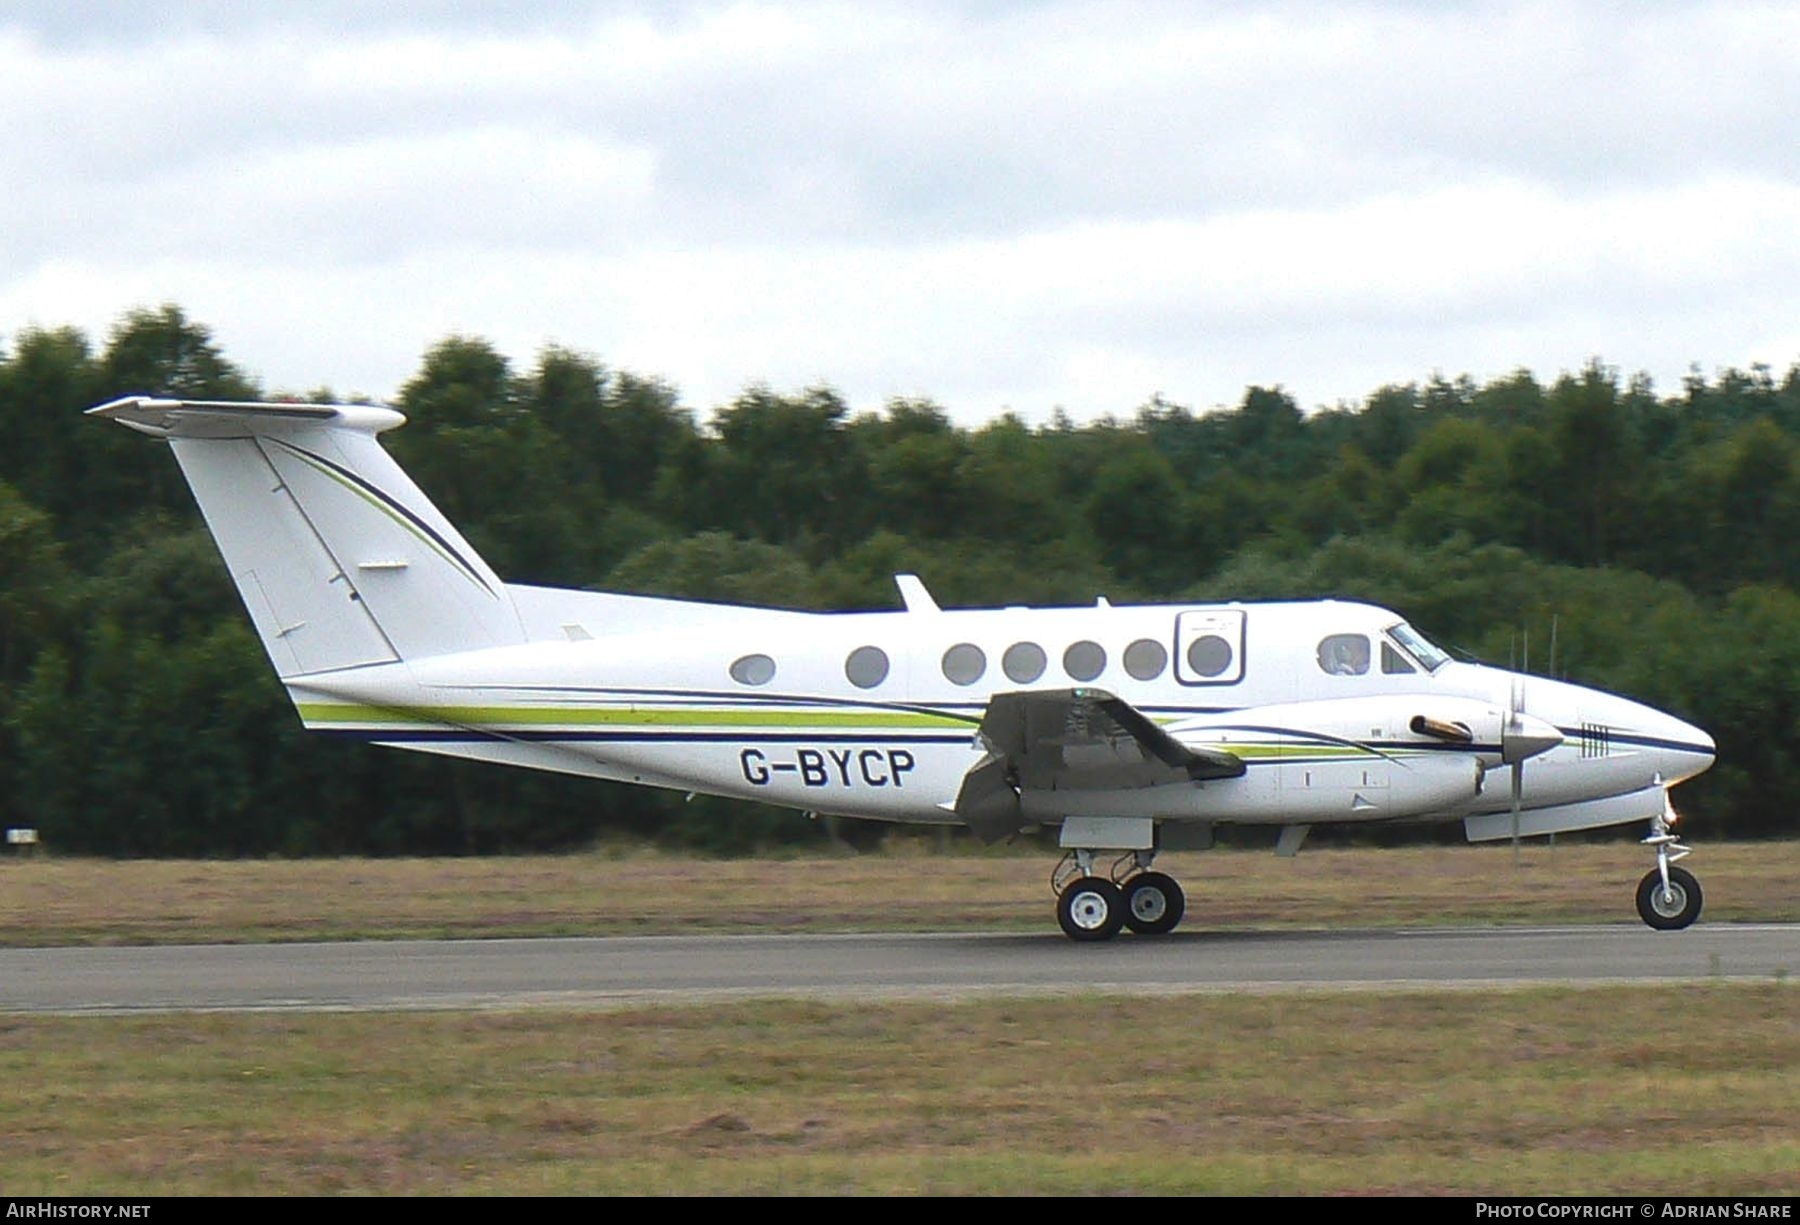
(339, 557)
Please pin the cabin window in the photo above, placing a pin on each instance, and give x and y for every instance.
(1084, 660)
(867, 667)
(1145, 659)
(1209, 646)
(964, 663)
(1208, 655)
(753, 670)
(1023, 662)
(1393, 662)
(1344, 654)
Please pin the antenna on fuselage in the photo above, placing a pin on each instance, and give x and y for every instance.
(1515, 698)
(1515, 701)
(914, 595)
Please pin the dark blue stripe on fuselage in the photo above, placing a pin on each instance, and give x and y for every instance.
(399, 738)
(455, 735)
(1615, 736)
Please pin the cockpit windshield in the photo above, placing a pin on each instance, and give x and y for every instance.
(1430, 657)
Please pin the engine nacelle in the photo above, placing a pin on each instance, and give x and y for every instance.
(1281, 791)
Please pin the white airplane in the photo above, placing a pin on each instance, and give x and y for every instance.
(1130, 729)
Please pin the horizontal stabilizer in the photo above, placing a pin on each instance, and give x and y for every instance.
(239, 419)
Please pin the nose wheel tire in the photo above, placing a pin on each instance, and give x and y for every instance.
(1154, 904)
(1669, 909)
(1091, 908)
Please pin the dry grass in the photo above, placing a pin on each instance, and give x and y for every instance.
(1646, 1091)
(72, 901)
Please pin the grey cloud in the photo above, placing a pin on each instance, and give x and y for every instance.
(946, 121)
(354, 141)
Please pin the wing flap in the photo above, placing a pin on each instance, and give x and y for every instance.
(1072, 740)
(1197, 762)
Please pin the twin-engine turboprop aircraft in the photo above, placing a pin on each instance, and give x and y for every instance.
(1131, 730)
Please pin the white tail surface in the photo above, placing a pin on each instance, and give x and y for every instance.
(339, 557)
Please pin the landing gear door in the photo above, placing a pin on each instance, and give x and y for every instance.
(1209, 646)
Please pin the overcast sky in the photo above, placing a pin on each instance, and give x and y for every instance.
(1001, 206)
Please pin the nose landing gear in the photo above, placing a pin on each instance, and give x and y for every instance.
(1668, 898)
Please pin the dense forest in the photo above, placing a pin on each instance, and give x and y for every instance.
(1654, 539)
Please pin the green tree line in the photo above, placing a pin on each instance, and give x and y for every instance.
(1654, 538)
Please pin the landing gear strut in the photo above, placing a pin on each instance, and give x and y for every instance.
(1091, 907)
(1668, 898)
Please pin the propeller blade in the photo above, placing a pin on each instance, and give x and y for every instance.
(1522, 736)
(1518, 788)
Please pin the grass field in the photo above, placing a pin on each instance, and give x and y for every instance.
(75, 901)
(1684, 1090)
(1674, 1091)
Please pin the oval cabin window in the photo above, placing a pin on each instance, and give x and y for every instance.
(1023, 662)
(964, 663)
(867, 667)
(753, 670)
(1145, 659)
(1085, 660)
(1209, 655)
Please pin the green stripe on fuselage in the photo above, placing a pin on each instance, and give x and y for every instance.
(1296, 748)
(339, 714)
(593, 716)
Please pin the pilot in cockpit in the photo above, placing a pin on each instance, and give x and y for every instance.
(1344, 655)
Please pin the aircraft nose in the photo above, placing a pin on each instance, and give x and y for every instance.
(1682, 750)
(1704, 741)
(1703, 750)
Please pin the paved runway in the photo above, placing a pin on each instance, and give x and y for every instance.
(406, 974)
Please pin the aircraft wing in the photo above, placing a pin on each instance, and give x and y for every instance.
(1072, 739)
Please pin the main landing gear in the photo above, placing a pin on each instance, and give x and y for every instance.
(1092, 907)
(1668, 898)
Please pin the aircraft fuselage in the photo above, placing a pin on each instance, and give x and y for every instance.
(875, 714)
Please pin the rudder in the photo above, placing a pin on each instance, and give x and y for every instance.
(340, 559)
